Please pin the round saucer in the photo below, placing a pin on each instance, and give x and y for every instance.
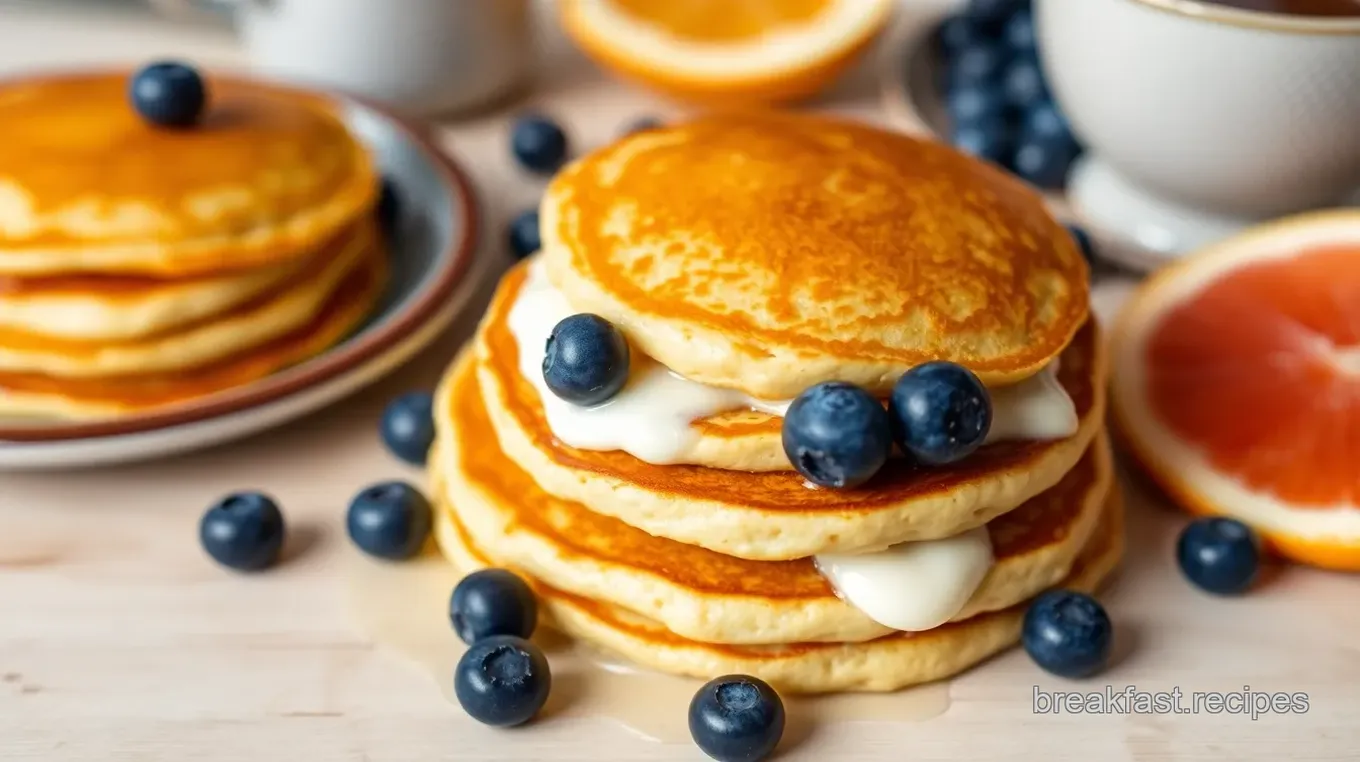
(434, 267)
(911, 98)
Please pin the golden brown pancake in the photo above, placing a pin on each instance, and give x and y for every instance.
(88, 185)
(85, 399)
(884, 664)
(770, 251)
(271, 314)
(709, 596)
(739, 440)
(775, 515)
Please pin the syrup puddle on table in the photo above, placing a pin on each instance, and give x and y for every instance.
(403, 608)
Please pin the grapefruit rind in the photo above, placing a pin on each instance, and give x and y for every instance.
(1323, 536)
(784, 65)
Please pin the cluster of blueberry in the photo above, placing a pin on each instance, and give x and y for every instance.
(540, 146)
(999, 104)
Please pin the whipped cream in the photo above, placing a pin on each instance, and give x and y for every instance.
(913, 586)
(650, 418)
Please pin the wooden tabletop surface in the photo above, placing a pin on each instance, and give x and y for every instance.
(120, 641)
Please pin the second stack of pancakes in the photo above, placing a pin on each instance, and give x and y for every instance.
(144, 267)
(746, 258)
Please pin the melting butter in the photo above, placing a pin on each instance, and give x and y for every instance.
(913, 586)
(650, 418)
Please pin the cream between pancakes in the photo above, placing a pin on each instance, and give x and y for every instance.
(651, 417)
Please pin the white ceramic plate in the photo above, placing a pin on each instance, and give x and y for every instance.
(433, 253)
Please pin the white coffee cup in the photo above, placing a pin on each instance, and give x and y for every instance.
(1200, 119)
(421, 56)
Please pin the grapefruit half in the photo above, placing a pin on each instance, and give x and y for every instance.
(1236, 384)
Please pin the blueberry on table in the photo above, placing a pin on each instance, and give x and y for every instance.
(976, 103)
(502, 681)
(1019, 32)
(389, 520)
(1044, 162)
(1067, 633)
(1023, 83)
(836, 435)
(169, 94)
(980, 64)
(243, 531)
(1043, 119)
(492, 602)
(407, 426)
(958, 33)
(736, 718)
(539, 144)
(585, 361)
(990, 138)
(940, 412)
(1219, 555)
(524, 236)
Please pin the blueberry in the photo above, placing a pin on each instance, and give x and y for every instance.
(502, 680)
(940, 412)
(1219, 555)
(992, 12)
(168, 93)
(958, 33)
(539, 144)
(1067, 633)
(586, 360)
(990, 139)
(980, 64)
(389, 520)
(976, 103)
(1019, 32)
(407, 426)
(492, 602)
(1088, 249)
(389, 205)
(736, 718)
(837, 435)
(1023, 82)
(642, 124)
(1043, 119)
(524, 238)
(243, 531)
(1044, 162)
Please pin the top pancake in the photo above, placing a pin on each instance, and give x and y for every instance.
(87, 185)
(768, 252)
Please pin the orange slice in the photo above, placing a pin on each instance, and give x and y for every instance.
(1237, 384)
(729, 52)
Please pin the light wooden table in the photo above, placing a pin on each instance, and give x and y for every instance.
(119, 641)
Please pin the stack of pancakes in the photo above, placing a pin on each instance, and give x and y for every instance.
(142, 266)
(747, 257)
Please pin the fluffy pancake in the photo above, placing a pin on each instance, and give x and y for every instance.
(120, 307)
(26, 394)
(88, 185)
(774, 515)
(740, 440)
(709, 596)
(799, 249)
(271, 315)
(884, 664)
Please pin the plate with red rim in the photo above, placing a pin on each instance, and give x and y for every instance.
(434, 268)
